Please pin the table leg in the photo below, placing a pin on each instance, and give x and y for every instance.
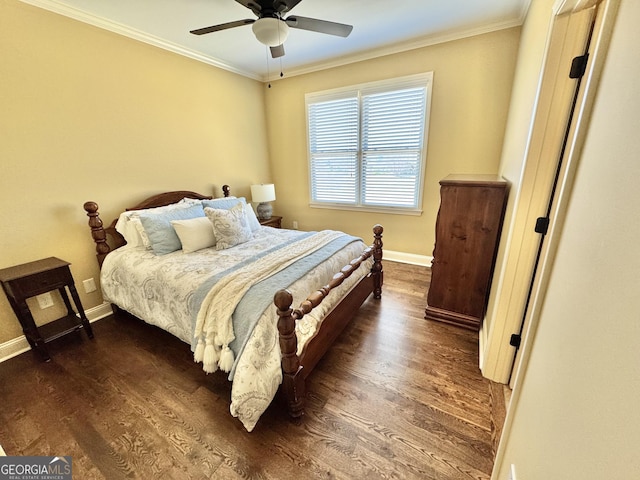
(83, 317)
(65, 299)
(31, 330)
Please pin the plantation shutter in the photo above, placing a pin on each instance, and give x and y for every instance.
(367, 144)
(392, 138)
(333, 144)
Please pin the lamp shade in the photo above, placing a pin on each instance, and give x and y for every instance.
(265, 192)
(270, 31)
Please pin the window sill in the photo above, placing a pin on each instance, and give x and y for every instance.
(353, 208)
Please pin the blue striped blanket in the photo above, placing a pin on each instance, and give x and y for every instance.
(260, 294)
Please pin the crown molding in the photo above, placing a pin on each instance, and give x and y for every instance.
(429, 40)
(401, 47)
(100, 22)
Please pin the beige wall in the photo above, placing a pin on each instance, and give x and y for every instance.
(471, 91)
(90, 115)
(577, 415)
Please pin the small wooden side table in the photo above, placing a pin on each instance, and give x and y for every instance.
(274, 221)
(34, 278)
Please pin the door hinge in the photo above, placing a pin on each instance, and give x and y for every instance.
(578, 66)
(515, 340)
(542, 225)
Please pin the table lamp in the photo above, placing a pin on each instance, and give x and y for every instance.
(263, 194)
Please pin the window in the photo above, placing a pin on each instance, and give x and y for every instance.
(367, 144)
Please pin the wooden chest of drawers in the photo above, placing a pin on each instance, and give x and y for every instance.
(467, 235)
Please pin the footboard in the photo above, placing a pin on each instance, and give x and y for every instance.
(296, 368)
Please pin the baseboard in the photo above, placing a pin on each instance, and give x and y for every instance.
(410, 258)
(20, 345)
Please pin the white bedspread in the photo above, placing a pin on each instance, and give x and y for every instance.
(158, 290)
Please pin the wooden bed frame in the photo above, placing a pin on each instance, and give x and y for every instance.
(295, 368)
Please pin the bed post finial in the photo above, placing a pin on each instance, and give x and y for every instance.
(377, 260)
(226, 189)
(292, 381)
(97, 231)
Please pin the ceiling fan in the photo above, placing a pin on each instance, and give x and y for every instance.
(271, 29)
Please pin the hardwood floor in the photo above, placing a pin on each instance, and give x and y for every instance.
(396, 397)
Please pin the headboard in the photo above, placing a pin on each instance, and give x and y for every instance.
(108, 239)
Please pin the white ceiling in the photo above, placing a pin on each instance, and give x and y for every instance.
(379, 27)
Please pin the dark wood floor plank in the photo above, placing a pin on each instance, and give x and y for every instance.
(397, 397)
(397, 429)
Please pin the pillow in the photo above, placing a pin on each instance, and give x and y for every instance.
(162, 236)
(230, 227)
(254, 223)
(125, 227)
(224, 203)
(191, 201)
(229, 202)
(194, 233)
(129, 226)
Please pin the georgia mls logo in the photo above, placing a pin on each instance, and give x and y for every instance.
(60, 465)
(35, 468)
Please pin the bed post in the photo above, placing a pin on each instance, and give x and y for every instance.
(376, 269)
(97, 231)
(292, 381)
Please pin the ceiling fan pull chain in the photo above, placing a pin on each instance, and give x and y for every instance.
(266, 51)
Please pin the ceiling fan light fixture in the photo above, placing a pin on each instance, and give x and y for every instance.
(270, 31)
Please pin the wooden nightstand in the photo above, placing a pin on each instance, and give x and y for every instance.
(34, 278)
(274, 221)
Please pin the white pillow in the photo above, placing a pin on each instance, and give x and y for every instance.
(194, 233)
(230, 227)
(126, 227)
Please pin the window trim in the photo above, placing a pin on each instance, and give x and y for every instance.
(424, 79)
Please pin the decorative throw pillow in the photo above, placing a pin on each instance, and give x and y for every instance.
(230, 202)
(194, 233)
(162, 236)
(230, 227)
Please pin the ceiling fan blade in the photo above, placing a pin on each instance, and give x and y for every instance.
(321, 26)
(277, 52)
(222, 26)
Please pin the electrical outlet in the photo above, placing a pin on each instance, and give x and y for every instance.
(512, 472)
(295, 224)
(44, 300)
(89, 285)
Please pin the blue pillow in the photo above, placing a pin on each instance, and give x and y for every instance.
(163, 238)
(222, 203)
